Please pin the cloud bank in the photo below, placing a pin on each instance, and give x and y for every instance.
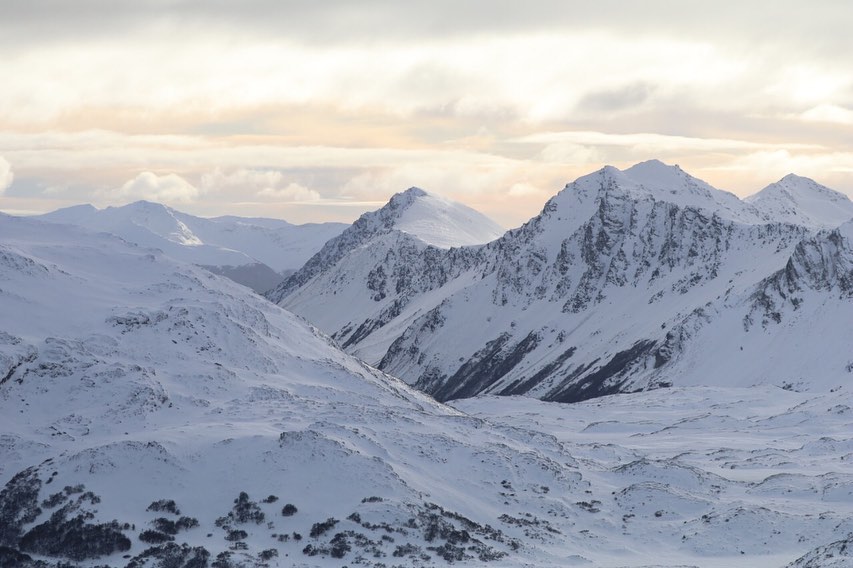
(169, 188)
(6, 175)
(294, 108)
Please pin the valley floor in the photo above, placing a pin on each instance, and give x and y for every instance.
(697, 476)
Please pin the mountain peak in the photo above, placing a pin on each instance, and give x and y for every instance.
(792, 177)
(651, 179)
(433, 219)
(414, 191)
(71, 215)
(803, 201)
(83, 207)
(656, 172)
(444, 223)
(402, 200)
(143, 205)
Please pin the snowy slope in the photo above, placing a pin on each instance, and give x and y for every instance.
(145, 380)
(443, 223)
(254, 252)
(793, 329)
(605, 291)
(802, 201)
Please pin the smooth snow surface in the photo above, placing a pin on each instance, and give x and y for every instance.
(443, 223)
(802, 201)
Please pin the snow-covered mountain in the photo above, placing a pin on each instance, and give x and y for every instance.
(412, 219)
(443, 223)
(802, 201)
(607, 290)
(258, 253)
(153, 414)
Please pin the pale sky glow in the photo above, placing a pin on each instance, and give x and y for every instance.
(320, 110)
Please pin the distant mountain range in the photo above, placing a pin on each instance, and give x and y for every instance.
(258, 253)
(627, 280)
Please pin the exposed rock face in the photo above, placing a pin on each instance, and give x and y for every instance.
(602, 292)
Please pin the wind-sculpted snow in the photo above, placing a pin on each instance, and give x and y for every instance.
(709, 477)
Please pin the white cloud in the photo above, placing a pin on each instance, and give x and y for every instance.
(829, 113)
(651, 141)
(261, 183)
(525, 189)
(248, 180)
(169, 188)
(6, 175)
(469, 76)
(291, 192)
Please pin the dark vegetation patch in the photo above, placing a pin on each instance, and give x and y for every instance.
(155, 537)
(19, 505)
(169, 526)
(164, 506)
(318, 529)
(11, 558)
(171, 555)
(244, 511)
(532, 525)
(73, 538)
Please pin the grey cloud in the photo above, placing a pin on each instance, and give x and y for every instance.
(26, 187)
(822, 27)
(616, 99)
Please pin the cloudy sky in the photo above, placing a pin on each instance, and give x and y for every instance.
(310, 110)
